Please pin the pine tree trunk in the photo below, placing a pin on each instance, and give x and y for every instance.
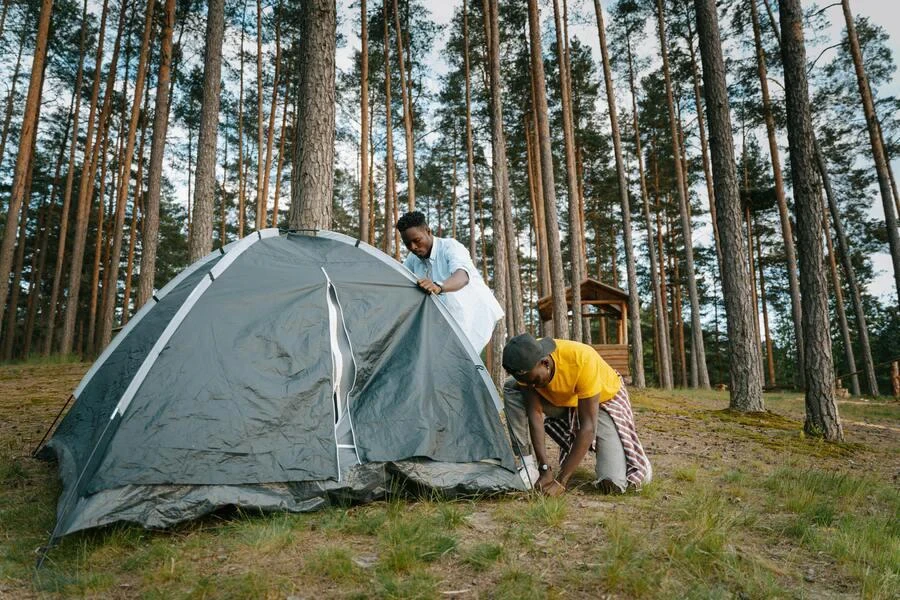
(100, 243)
(88, 173)
(704, 144)
(70, 176)
(634, 309)
(537, 200)
(557, 280)
(406, 101)
(313, 180)
(280, 166)
(786, 232)
(661, 336)
(200, 242)
(862, 327)
(136, 210)
(878, 153)
(745, 367)
(242, 175)
(470, 159)
(3, 16)
(841, 312)
(11, 97)
(27, 135)
(515, 303)
(12, 310)
(575, 242)
(389, 187)
(502, 268)
(45, 222)
(260, 219)
(696, 326)
(677, 307)
(821, 408)
(770, 359)
(363, 130)
(109, 304)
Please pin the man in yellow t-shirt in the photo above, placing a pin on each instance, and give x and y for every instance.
(561, 381)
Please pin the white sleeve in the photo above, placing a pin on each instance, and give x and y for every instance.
(458, 258)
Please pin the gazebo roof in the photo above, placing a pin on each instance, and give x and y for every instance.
(591, 291)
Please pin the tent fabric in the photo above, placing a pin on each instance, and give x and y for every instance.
(285, 372)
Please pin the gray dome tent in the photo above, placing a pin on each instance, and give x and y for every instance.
(280, 373)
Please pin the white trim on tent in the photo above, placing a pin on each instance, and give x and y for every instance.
(474, 356)
(140, 314)
(355, 367)
(339, 396)
(238, 248)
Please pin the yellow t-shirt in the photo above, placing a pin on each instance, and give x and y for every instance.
(580, 373)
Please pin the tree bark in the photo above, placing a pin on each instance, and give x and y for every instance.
(70, 176)
(878, 153)
(26, 140)
(45, 223)
(557, 280)
(841, 312)
(389, 186)
(12, 310)
(662, 336)
(745, 367)
(786, 232)
(11, 96)
(821, 408)
(200, 241)
(470, 159)
(406, 101)
(150, 222)
(770, 359)
(849, 273)
(363, 129)
(260, 220)
(242, 175)
(270, 136)
(696, 326)
(135, 218)
(88, 172)
(313, 180)
(704, 144)
(280, 166)
(634, 309)
(502, 270)
(575, 238)
(515, 304)
(109, 304)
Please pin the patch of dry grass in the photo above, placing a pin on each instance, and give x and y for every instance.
(741, 506)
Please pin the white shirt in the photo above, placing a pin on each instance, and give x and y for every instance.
(474, 307)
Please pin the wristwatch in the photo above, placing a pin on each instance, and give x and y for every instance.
(544, 468)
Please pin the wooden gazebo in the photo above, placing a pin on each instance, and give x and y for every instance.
(600, 303)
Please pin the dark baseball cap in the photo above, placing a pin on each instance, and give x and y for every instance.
(522, 352)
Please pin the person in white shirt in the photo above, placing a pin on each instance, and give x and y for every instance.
(444, 267)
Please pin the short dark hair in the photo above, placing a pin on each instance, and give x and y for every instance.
(411, 219)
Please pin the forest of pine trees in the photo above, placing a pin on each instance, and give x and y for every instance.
(727, 164)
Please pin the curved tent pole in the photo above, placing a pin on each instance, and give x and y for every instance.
(132, 323)
(398, 267)
(236, 249)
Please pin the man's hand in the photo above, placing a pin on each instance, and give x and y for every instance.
(544, 480)
(429, 286)
(550, 487)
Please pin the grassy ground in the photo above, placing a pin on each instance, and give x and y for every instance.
(742, 507)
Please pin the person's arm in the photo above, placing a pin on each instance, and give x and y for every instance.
(536, 431)
(587, 419)
(454, 283)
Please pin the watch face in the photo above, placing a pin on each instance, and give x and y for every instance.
(545, 467)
